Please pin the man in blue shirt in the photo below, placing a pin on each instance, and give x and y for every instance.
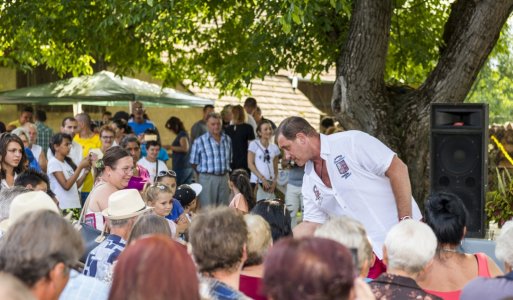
(138, 123)
(210, 156)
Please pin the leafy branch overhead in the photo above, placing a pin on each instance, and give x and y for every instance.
(229, 41)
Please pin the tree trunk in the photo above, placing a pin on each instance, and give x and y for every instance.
(400, 116)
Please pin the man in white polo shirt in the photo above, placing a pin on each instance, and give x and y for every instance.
(349, 173)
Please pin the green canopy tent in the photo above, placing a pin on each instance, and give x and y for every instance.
(101, 89)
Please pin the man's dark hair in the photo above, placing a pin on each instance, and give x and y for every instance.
(32, 177)
(291, 126)
(66, 119)
(152, 143)
(207, 107)
(250, 102)
(28, 109)
(41, 115)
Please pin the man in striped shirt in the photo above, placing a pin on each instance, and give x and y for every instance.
(211, 154)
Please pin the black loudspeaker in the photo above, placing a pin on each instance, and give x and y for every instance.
(459, 157)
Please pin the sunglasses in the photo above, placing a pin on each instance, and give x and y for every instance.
(159, 186)
(267, 156)
(169, 173)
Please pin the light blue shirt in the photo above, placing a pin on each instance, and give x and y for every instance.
(81, 287)
(210, 156)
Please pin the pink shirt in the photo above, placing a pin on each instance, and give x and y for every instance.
(240, 203)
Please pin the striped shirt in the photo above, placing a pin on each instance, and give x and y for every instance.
(210, 156)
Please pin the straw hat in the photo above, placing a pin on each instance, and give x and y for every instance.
(125, 204)
(28, 202)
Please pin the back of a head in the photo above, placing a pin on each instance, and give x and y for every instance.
(410, 245)
(239, 115)
(291, 126)
(308, 268)
(349, 233)
(259, 239)
(504, 244)
(139, 271)
(31, 177)
(277, 215)
(40, 115)
(149, 223)
(217, 237)
(36, 243)
(250, 102)
(446, 214)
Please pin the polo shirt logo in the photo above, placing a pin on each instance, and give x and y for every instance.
(342, 167)
(317, 194)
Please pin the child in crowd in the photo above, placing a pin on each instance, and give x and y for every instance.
(65, 177)
(160, 197)
(187, 195)
(243, 199)
(168, 178)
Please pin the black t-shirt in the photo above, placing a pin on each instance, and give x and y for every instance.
(241, 135)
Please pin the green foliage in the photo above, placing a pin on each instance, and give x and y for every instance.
(222, 43)
(499, 203)
(494, 84)
(415, 37)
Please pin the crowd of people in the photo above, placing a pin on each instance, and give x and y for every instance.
(214, 225)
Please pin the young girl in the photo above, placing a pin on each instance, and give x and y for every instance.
(160, 197)
(243, 200)
(64, 175)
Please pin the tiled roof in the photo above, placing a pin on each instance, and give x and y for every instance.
(275, 96)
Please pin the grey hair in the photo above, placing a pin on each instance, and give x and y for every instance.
(36, 243)
(120, 222)
(410, 246)
(21, 130)
(504, 244)
(291, 126)
(349, 233)
(6, 197)
(259, 239)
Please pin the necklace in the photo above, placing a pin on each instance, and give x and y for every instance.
(449, 250)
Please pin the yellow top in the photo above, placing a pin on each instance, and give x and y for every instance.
(88, 144)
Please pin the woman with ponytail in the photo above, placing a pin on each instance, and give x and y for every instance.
(243, 199)
(65, 177)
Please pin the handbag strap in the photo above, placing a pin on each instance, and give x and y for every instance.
(86, 204)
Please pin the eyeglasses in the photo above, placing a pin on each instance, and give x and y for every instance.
(126, 170)
(107, 137)
(267, 156)
(169, 173)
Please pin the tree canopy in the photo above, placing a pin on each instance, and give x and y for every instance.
(228, 41)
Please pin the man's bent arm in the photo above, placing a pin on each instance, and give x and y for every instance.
(305, 229)
(401, 186)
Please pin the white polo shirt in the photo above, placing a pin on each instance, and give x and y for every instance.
(356, 164)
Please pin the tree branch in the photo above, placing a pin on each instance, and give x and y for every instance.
(471, 33)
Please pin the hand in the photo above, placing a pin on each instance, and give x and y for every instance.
(85, 163)
(265, 184)
(272, 187)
